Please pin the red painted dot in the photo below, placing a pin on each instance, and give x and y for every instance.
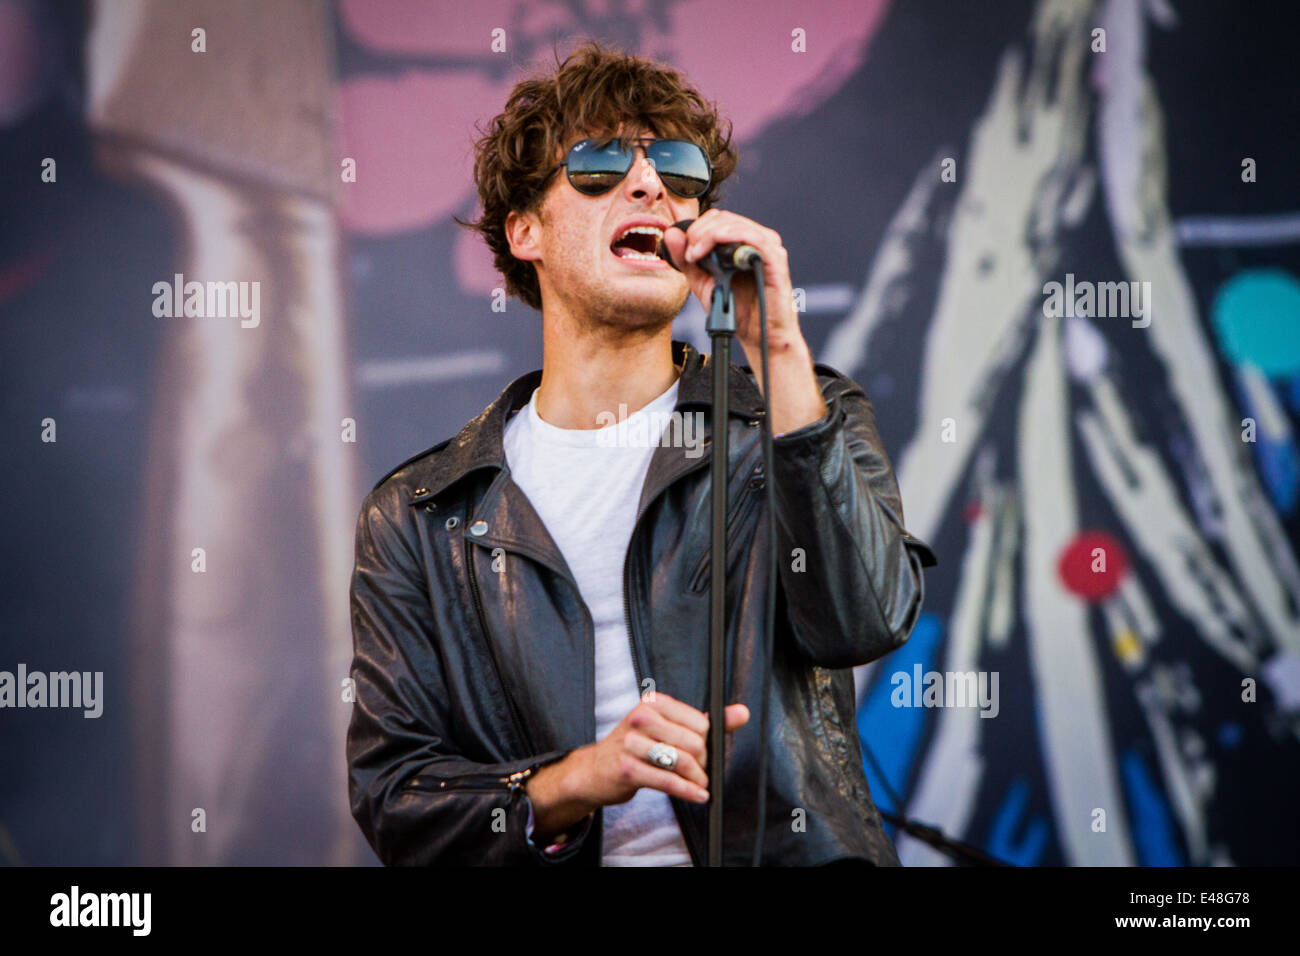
(971, 513)
(1093, 565)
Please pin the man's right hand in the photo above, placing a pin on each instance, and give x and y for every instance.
(612, 770)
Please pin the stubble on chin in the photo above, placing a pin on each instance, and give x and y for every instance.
(610, 303)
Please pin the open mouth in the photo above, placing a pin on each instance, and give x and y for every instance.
(638, 243)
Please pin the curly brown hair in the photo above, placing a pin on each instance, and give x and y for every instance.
(591, 93)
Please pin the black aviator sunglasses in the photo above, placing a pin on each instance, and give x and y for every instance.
(596, 166)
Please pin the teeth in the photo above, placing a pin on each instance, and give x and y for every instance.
(645, 231)
(629, 254)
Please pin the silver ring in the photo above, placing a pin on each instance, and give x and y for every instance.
(663, 755)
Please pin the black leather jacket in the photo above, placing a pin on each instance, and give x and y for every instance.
(474, 652)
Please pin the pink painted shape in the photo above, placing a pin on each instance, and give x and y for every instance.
(749, 67)
(20, 55)
(422, 27)
(412, 138)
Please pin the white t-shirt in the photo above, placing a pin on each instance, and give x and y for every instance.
(585, 484)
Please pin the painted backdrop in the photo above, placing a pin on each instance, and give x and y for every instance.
(1057, 242)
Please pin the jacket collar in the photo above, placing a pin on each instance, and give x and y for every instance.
(481, 443)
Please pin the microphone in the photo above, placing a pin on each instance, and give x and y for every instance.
(724, 257)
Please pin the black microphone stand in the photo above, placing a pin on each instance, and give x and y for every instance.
(722, 263)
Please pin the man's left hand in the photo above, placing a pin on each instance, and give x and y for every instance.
(796, 397)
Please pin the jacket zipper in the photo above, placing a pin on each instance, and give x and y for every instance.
(627, 618)
(748, 494)
(474, 782)
(627, 611)
(482, 623)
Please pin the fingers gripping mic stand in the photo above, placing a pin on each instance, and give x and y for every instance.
(723, 262)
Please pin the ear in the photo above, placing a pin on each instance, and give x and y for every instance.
(521, 233)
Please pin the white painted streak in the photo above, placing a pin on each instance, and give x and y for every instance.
(423, 369)
(1068, 685)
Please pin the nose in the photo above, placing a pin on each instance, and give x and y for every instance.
(643, 179)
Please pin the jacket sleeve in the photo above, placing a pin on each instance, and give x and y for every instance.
(418, 801)
(857, 595)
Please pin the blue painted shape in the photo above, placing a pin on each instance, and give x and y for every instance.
(1154, 833)
(1293, 398)
(1279, 468)
(1278, 462)
(1002, 844)
(1230, 735)
(894, 733)
(1256, 316)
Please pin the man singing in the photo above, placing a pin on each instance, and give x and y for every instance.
(530, 597)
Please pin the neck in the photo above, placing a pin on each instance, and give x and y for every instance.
(587, 371)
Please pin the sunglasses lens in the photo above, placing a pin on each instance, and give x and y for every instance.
(681, 166)
(597, 165)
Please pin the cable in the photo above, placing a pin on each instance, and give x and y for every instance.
(770, 612)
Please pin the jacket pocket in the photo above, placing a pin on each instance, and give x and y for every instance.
(746, 503)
